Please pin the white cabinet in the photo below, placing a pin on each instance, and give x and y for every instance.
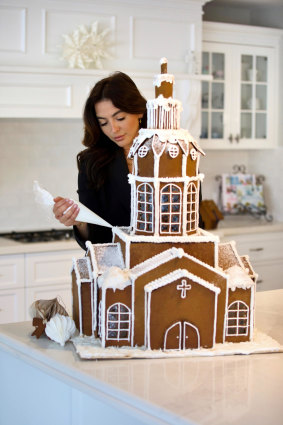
(11, 271)
(239, 106)
(36, 83)
(48, 275)
(12, 302)
(25, 278)
(265, 251)
(12, 305)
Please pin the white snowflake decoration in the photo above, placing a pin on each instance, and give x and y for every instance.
(86, 47)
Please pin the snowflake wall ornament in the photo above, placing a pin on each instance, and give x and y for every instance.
(86, 47)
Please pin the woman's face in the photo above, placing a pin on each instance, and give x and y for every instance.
(121, 127)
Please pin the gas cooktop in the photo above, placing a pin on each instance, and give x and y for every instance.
(39, 236)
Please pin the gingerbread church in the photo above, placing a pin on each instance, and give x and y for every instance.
(164, 283)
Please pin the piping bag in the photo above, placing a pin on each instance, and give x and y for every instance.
(45, 199)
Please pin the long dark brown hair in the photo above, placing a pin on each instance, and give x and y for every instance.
(100, 150)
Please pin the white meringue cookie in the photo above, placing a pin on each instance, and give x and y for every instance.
(60, 328)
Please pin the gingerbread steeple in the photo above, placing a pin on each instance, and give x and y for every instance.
(164, 81)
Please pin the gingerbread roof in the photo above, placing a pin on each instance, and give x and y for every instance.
(228, 256)
(159, 138)
(104, 256)
(178, 274)
(246, 261)
(82, 269)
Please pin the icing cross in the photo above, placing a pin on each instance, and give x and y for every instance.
(184, 287)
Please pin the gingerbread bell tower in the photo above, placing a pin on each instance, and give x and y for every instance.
(165, 180)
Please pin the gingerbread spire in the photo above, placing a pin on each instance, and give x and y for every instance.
(164, 82)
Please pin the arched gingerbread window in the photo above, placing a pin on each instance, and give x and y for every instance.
(144, 219)
(237, 321)
(192, 207)
(118, 322)
(170, 209)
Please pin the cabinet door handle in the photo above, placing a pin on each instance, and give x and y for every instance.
(259, 281)
(237, 138)
(256, 249)
(230, 138)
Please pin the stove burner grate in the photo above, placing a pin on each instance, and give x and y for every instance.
(40, 236)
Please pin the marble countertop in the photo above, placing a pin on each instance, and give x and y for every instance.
(242, 389)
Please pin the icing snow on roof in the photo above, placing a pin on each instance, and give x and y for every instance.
(238, 278)
(158, 259)
(178, 274)
(228, 256)
(105, 255)
(114, 278)
(179, 136)
(82, 269)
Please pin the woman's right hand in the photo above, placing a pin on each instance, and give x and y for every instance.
(68, 218)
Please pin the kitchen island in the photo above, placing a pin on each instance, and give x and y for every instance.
(44, 383)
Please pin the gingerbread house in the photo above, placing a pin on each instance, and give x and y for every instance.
(164, 283)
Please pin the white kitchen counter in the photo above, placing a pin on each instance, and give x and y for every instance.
(44, 383)
(239, 225)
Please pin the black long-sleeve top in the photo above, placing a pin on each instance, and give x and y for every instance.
(112, 201)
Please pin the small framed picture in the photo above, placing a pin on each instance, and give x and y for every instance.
(238, 189)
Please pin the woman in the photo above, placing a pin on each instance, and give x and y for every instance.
(113, 114)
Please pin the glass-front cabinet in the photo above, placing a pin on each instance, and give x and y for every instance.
(239, 103)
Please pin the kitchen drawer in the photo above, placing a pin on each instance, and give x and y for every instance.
(62, 292)
(12, 305)
(12, 269)
(260, 247)
(270, 275)
(49, 268)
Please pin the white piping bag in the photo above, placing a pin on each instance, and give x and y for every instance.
(45, 199)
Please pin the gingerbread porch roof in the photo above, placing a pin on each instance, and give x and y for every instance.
(228, 255)
(178, 274)
(82, 269)
(246, 261)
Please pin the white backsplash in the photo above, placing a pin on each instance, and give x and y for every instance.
(45, 150)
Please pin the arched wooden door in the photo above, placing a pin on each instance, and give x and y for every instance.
(181, 336)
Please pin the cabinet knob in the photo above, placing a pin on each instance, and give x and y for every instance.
(237, 138)
(259, 281)
(230, 138)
